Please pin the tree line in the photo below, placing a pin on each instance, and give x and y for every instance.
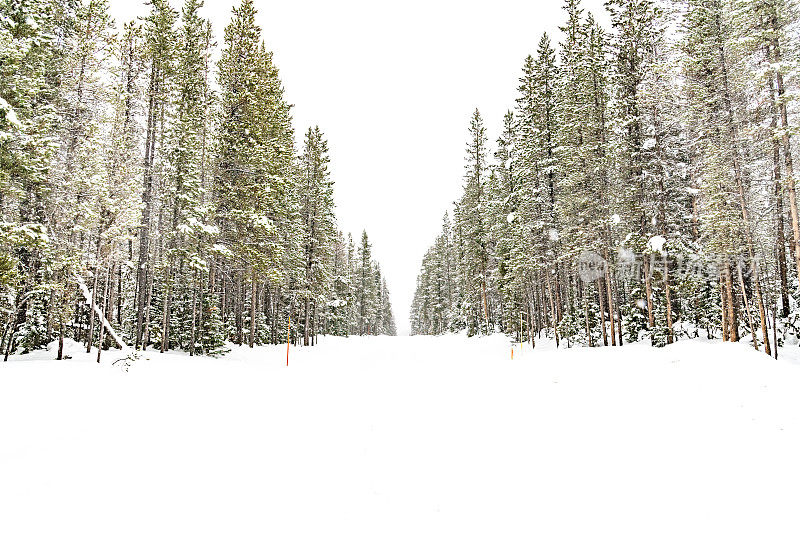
(152, 196)
(642, 187)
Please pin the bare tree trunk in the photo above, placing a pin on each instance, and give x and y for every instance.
(192, 337)
(253, 304)
(106, 297)
(747, 306)
(733, 321)
(119, 294)
(165, 314)
(619, 311)
(668, 296)
(143, 297)
(723, 307)
(94, 296)
(554, 322)
(781, 233)
(649, 292)
(602, 303)
(763, 312)
(786, 141)
(239, 310)
(485, 302)
(60, 341)
(610, 301)
(775, 331)
(146, 332)
(50, 307)
(586, 317)
(307, 323)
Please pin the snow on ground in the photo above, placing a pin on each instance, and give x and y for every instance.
(404, 434)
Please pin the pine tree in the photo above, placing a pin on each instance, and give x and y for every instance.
(160, 38)
(319, 227)
(471, 220)
(189, 237)
(365, 288)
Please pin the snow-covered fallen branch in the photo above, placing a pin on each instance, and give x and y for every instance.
(87, 294)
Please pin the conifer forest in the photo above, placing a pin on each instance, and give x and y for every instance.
(642, 187)
(155, 197)
(205, 203)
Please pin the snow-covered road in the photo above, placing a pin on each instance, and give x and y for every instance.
(407, 435)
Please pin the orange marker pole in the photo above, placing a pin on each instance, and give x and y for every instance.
(512, 354)
(288, 338)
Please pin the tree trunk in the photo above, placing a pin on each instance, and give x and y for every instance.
(107, 295)
(166, 312)
(253, 305)
(192, 335)
(94, 298)
(148, 302)
(610, 297)
(60, 341)
(668, 296)
(143, 297)
(747, 306)
(602, 303)
(649, 293)
(733, 320)
(554, 322)
(780, 230)
(787, 143)
(586, 317)
(723, 307)
(307, 322)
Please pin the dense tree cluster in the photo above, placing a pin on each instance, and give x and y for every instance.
(642, 188)
(154, 198)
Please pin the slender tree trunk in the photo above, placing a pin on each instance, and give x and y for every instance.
(723, 307)
(107, 291)
(779, 208)
(747, 305)
(50, 307)
(60, 340)
(119, 294)
(94, 297)
(668, 296)
(307, 322)
(787, 143)
(610, 296)
(733, 321)
(193, 335)
(148, 302)
(253, 305)
(485, 302)
(602, 303)
(147, 197)
(649, 293)
(554, 322)
(763, 312)
(775, 331)
(586, 316)
(239, 310)
(166, 312)
(619, 310)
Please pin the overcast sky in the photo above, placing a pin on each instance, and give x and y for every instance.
(392, 85)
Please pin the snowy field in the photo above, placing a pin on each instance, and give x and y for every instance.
(406, 435)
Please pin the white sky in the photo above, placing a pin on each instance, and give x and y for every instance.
(392, 85)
